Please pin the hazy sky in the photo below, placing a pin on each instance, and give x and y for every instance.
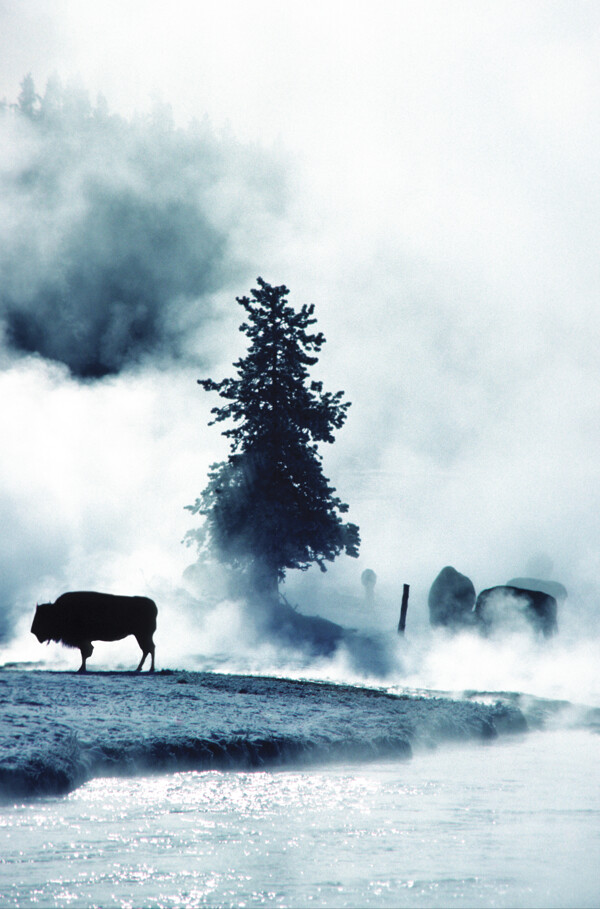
(441, 211)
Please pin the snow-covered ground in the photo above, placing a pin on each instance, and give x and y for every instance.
(202, 789)
(61, 729)
(430, 769)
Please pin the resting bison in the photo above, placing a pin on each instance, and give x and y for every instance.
(552, 588)
(505, 605)
(77, 619)
(451, 599)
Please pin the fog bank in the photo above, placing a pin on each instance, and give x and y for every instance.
(436, 200)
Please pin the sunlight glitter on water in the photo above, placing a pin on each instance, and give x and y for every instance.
(499, 825)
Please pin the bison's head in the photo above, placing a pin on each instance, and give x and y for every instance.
(41, 626)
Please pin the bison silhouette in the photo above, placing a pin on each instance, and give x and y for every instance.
(77, 619)
(504, 605)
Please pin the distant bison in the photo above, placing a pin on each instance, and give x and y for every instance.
(552, 588)
(506, 605)
(77, 619)
(368, 579)
(451, 599)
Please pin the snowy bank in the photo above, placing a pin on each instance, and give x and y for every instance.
(61, 729)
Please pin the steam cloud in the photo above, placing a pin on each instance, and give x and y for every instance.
(113, 232)
(442, 228)
(116, 236)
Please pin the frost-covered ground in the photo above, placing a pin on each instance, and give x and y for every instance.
(202, 789)
(60, 729)
(425, 770)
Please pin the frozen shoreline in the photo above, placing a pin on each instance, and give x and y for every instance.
(61, 729)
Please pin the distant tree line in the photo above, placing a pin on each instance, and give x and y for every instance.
(120, 229)
(69, 105)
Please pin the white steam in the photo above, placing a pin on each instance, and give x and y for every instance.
(445, 202)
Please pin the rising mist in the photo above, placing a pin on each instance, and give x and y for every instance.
(114, 232)
(116, 237)
(441, 217)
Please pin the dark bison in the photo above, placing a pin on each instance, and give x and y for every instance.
(451, 600)
(552, 588)
(77, 619)
(506, 605)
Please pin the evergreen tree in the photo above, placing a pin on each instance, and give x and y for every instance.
(268, 507)
(28, 100)
(52, 101)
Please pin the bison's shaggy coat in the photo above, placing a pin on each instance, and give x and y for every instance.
(77, 619)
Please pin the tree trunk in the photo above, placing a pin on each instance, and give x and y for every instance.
(263, 581)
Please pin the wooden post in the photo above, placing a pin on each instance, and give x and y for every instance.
(402, 622)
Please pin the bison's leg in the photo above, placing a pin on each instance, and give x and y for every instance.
(86, 651)
(147, 646)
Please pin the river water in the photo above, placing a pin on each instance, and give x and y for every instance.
(515, 822)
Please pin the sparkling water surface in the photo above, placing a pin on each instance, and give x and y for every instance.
(513, 823)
